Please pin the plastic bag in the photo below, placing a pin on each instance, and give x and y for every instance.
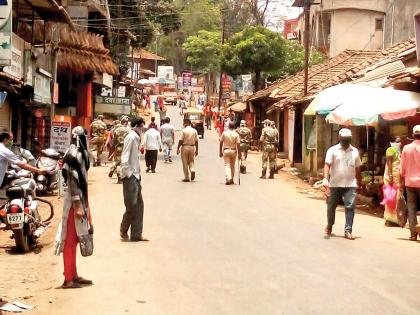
(390, 196)
(402, 211)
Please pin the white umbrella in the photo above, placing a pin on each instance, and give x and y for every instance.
(363, 105)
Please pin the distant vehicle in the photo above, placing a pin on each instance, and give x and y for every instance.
(170, 96)
(197, 119)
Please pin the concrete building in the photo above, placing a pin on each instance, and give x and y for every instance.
(337, 25)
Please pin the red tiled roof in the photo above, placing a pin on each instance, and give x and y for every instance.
(335, 71)
(84, 51)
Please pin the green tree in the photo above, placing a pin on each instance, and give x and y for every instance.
(203, 51)
(295, 55)
(134, 22)
(255, 49)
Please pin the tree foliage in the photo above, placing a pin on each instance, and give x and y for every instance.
(203, 51)
(134, 22)
(295, 55)
(255, 49)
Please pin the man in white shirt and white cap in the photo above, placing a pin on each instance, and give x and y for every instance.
(342, 177)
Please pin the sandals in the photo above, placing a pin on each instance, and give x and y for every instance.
(328, 231)
(70, 285)
(349, 236)
(82, 281)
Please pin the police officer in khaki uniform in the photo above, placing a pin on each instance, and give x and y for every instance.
(228, 150)
(273, 125)
(98, 131)
(119, 134)
(245, 139)
(268, 143)
(188, 147)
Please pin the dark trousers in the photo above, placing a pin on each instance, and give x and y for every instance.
(134, 207)
(413, 196)
(348, 196)
(151, 158)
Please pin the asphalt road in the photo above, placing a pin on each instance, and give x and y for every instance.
(257, 248)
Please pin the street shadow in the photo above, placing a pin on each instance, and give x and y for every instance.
(333, 235)
(406, 239)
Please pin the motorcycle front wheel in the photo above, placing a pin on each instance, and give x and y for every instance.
(21, 240)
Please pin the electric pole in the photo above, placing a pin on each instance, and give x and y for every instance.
(307, 12)
(221, 72)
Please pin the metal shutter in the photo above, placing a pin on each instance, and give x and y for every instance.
(5, 116)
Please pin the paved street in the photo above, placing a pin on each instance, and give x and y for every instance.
(257, 248)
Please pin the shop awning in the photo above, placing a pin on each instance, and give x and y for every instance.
(328, 100)
(238, 107)
(85, 52)
(359, 105)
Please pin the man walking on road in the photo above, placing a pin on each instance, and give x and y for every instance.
(245, 140)
(410, 179)
(167, 133)
(130, 174)
(228, 150)
(342, 177)
(188, 146)
(152, 143)
(268, 144)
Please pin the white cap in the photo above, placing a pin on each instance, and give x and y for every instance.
(416, 129)
(345, 132)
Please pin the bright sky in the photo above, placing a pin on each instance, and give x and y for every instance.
(280, 10)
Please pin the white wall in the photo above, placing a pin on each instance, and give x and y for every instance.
(354, 29)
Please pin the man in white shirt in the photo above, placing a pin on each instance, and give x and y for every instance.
(130, 175)
(7, 157)
(151, 143)
(342, 177)
(167, 133)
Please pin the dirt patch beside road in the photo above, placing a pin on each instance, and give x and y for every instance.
(23, 276)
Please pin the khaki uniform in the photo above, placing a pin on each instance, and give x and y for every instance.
(189, 137)
(120, 133)
(268, 140)
(230, 139)
(245, 142)
(277, 141)
(98, 128)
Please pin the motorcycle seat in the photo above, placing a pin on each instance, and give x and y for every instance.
(51, 153)
(15, 192)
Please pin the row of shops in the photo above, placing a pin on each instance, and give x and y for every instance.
(49, 72)
(382, 82)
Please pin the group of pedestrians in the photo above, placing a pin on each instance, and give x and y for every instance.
(342, 180)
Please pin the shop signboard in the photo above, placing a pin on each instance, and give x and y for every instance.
(60, 133)
(15, 68)
(112, 105)
(166, 72)
(5, 32)
(42, 89)
(186, 79)
(226, 86)
(121, 91)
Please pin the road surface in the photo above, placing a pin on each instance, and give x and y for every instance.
(257, 248)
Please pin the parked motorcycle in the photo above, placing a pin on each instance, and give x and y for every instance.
(50, 160)
(21, 212)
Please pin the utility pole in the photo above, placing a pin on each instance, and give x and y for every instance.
(221, 72)
(307, 12)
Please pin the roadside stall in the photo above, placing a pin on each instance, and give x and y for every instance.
(377, 115)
